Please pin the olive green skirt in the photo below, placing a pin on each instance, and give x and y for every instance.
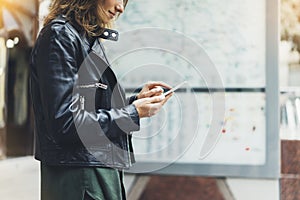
(81, 183)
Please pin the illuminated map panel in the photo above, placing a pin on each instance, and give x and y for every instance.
(241, 45)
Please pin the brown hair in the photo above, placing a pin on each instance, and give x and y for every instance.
(88, 14)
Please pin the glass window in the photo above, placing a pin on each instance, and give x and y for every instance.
(18, 70)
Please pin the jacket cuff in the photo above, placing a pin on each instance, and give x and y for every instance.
(132, 99)
(135, 118)
(127, 119)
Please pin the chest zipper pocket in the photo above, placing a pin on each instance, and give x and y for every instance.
(95, 85)
(81, 99)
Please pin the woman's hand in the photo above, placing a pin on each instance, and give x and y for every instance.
(151, 98)
(149, 106)
(153, 88)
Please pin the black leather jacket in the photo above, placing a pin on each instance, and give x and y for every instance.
(82, 117)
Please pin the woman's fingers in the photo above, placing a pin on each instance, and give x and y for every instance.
(153, 88)
(153, 84)
(156, 99)
(149, 106)
(151, 99)
(152, 92)
(155, 91)
(156, 106)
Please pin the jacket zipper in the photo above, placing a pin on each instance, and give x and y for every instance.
(95, 85)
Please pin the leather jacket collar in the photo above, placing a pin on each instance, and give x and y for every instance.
(107, 34)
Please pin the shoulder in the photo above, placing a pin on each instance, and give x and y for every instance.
(57, 38)
(60, 28)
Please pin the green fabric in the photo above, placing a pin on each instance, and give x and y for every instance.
(81, 183)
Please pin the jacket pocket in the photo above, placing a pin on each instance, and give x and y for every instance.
(88, 95)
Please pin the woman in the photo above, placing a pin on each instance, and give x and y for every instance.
(83, 122)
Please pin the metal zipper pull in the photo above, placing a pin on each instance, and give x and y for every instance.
(101, 85)
(81, 100)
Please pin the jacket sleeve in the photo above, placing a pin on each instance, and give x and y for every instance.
(56, 58)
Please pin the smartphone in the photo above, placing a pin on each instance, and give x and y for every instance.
(175, 88)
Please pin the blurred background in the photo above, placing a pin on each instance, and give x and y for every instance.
(20, 21)
(289, 69)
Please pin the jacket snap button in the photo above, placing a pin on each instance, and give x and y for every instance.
(106, 33)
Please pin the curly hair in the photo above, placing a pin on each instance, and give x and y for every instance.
(88, 14)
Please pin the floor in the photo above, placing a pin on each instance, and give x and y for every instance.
(20, 180)
(195, 188)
